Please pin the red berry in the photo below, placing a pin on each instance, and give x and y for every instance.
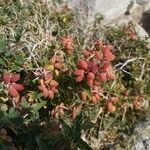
(50, 94)
(67, 43)
(83, 96)
(94, 69)
(54, 83)
(98, 55)
(110, 107)
(80, 75)
(110, 76)
(94, 100)
(90, 76)
(41, 87)
(54, 89)
(90, 83)
(82, 64)
(6, 78)
(102, 76)
(18, 87)
(79, 78)
(105, 66)
(86, 53)
(79, 72)
(58, 66)
(108, 54)
(97, 97)
(48, 76)
(137, 105)
(114, 99)
(13, 92)
(45, 92)
(14, 78)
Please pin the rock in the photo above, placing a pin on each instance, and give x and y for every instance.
(140, 31)
(142, 136)
(110, 9)
(142, 1)
(136, 12)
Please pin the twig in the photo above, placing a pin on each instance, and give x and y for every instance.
(142, 72)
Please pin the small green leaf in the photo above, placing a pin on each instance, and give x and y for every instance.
(25, 104)
(2, 43)
(19, 59)
(2, 62)
(13, 114)
(2, 118)
(82, 145)
(67, 131)
(35, 115)
(38, 106)
(18, 33)
(16, 68)
(77, 127)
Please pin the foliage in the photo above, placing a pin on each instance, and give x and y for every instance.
(63, 83)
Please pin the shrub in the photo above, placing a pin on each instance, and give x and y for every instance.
(60, 84)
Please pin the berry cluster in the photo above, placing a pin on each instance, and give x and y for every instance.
(48, 86)
(95, 68)
(57, 62)
(110, 104)
(67, 43)
(10, 80)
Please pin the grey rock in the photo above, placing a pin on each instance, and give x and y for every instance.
(107, 8)
(142, 136)
(141, 31)
(142, 1)
(110, 9)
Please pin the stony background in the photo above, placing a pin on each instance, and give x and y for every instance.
(118, 12)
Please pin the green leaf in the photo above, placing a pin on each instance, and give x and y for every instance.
(35, 115)
(67, 131)
(82, 145)
(35, 95)
(18, 33)
(13, 114)
(38, 106)
(2, 43)
(77, 127)
(2, 62)
(25, 104)
(2, 118)
(19, 59)
(16, 68)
